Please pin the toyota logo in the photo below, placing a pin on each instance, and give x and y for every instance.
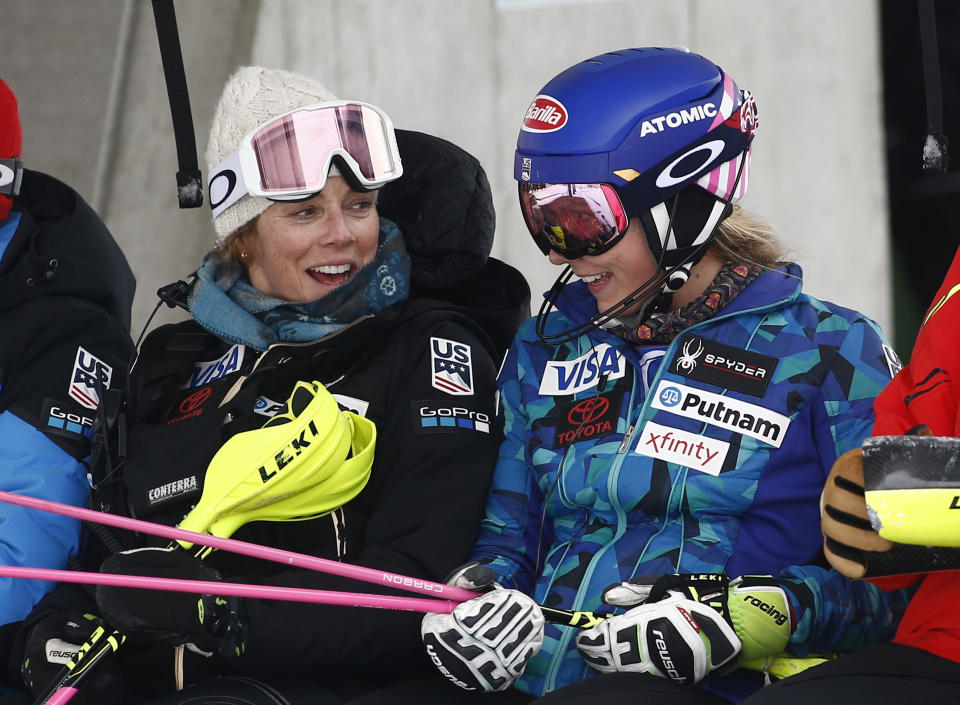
(195, 400)
(588, 410)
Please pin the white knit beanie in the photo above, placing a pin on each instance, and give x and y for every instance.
(252, 96)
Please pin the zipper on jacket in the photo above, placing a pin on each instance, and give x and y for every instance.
(563, 643)
(232, 392)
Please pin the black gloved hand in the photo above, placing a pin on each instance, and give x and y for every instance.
(54, 640)
(473, 576)
(207, 624)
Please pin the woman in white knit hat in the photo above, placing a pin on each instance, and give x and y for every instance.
(333, 262)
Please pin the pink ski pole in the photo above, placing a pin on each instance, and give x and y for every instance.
(214, 587)
(299, 560)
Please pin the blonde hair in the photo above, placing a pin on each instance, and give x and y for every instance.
(742, 237)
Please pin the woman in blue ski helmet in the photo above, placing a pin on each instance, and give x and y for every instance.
(670, 416)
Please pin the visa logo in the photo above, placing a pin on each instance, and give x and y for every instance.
(206, 372)
(572, 376)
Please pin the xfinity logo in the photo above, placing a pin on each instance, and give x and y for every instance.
(682, 448)
(715, 409)
(572, 376)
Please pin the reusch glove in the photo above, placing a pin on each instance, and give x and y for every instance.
(674, 637)
(756, 606)
(206, 624)
(55, 640)
(486, 642)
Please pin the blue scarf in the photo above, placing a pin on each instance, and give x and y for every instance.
(225, 303)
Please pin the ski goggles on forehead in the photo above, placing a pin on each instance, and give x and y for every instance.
(288, 157)
(573, 219)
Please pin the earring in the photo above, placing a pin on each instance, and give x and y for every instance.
(244, 256)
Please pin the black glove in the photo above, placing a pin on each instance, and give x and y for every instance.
(207, 624)
(54, 640)
(473, 576)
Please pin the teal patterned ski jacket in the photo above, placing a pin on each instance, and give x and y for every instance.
(705, 455)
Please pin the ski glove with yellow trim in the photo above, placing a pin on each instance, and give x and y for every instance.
(206, 624)
(683, 627)
(486, 642)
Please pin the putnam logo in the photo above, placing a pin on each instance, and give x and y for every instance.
(545, 114)
(206, 372)
(683, 448)
(572, 376)
(715, 409)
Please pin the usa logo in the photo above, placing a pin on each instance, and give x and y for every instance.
(451, 365)
(87, 369)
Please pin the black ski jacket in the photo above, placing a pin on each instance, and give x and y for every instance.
(418, 515)
(65, 296)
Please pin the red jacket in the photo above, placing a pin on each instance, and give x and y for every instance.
(927, 391)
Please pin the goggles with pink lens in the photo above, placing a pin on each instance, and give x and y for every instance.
(573, 219)
(288, 157)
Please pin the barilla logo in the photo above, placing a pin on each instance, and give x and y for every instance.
(545, 114)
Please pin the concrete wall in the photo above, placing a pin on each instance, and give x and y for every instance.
(93, 103)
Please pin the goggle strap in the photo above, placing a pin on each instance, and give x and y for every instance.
(226, 185)
(11, 175)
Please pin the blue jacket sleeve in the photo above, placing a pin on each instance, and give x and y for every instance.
(32, 464)
(510, 531)
(832, 612)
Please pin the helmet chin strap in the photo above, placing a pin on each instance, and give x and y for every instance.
(663, 222)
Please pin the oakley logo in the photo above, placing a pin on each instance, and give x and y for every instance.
(6, 175)
(726, 412)
(682, 117)
(690, 165)
(222, 185)
(545, 114)
(682, 448)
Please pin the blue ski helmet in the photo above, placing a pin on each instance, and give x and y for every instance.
(668, 129)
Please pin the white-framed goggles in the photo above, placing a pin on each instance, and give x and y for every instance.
(288, 157)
